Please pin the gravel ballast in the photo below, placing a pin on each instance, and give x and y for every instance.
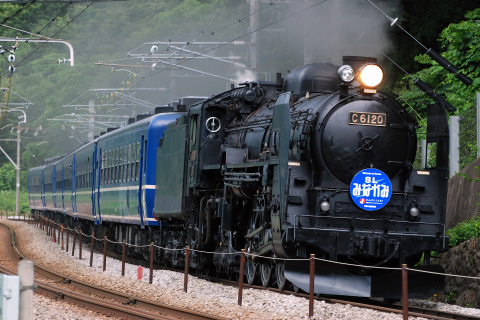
(167, 287)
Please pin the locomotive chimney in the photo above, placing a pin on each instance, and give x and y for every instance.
(279, 82)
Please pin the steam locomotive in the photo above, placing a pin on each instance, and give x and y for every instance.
(317, 163)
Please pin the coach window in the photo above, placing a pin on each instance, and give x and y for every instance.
(137, 161)
(129, 160)
(125, 158)
(145, 155)
(89, 172)
(106, 167)
(193, 130)
(115, 165)
(84, 174)
(120, 161)
(124, 167)
(122, 164)
(132, 163)
(109, 164)
(101, 167)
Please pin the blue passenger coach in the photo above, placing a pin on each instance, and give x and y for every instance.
(108, 181)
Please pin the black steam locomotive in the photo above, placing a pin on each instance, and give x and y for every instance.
(324, 167)
(317, 163)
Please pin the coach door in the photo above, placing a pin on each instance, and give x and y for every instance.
(96, 179)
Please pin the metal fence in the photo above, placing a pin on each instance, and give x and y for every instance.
(464, 142)
(468, 145)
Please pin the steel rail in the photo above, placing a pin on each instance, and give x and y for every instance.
(122, 307)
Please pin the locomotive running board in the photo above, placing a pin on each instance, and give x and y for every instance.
(334, 279)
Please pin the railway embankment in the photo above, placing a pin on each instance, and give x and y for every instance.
(463, 260)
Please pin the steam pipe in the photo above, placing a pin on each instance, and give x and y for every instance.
(448, 66)
(432, 53)
(428, 90)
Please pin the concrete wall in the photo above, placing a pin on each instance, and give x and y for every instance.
(463, 196)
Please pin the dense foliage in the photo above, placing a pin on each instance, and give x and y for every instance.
(8, 202)
(7, 177)
(460, 42)
(466, 230)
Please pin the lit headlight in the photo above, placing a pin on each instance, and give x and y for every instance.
(346, 73)
(370, 75)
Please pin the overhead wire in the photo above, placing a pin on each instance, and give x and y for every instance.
(57, 32)
(237, 38)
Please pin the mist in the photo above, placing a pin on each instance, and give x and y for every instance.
(251, 44)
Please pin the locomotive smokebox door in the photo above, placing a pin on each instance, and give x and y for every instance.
(365, 140)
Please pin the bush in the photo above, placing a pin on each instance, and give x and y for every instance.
(8, 177)
(8, 201)
(466, 230)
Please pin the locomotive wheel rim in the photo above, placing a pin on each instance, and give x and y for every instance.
(265, 274)
(280, 275)
(250, 271)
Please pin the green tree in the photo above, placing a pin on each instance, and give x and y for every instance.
(460, 42)
(7, 177)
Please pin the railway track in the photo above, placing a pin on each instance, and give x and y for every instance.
(57, 286)
(129, 301)
(413, 311)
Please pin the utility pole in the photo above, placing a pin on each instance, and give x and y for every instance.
(16, 165)
(17, 201)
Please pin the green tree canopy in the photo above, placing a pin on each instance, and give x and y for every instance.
(461, 42)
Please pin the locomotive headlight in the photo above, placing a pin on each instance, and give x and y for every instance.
(414, 212)
(325, 206)
(346, 73)
(370, 75)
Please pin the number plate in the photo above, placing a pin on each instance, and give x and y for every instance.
(367, 119)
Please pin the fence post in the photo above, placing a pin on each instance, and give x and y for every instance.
(105, 253)
(25, 272)
(187, 261)
(124, 250)
(405, 291)
(152, 248)
(454, 145)
(74, 240)
(63, 247)
(58, 234)
(312, 286)
(68, 237)
(240, 278)
(80, 235)
(91, 249)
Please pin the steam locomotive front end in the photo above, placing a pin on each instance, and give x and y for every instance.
(366, 203)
